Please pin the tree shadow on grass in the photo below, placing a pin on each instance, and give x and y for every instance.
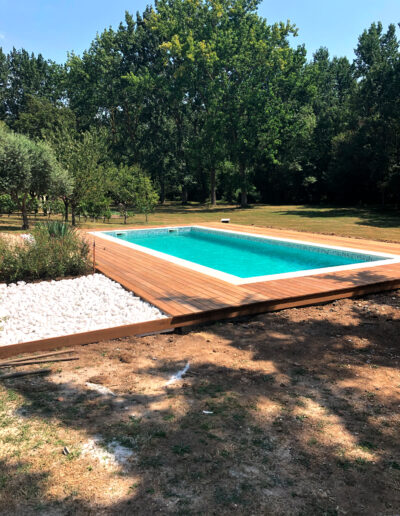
(380, 218)
(204, 208)
(293, 426)
(18, 486)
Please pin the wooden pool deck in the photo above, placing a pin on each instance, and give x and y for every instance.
(191, 297)
(188, 297)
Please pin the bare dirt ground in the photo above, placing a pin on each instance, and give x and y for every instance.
(295, 412)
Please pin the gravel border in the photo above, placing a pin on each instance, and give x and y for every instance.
(33, 311)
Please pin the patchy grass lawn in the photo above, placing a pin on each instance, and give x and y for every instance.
(295, 412)
(369, 223)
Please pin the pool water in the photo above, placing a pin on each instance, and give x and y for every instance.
(240, 255)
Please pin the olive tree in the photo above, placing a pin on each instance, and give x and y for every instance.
(28, 168)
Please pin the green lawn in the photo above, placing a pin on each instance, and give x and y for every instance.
(369, 223)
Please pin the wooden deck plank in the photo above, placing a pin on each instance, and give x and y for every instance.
(171, 280)
(194, 299)
(190, 297)
(187, 295)
(211, 286)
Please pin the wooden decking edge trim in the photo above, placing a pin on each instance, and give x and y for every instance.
(281, 304)
(89, 337)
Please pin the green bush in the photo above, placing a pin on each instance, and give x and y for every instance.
(98, 208)
(56, 251)
(56, 229)
(7, 205)
(55, 207)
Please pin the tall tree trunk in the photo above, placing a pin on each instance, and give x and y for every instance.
(243, 186)
(213, 188)
(66, 206)
(25, 221)
(184, 195)
(162, 191)
(203, 190)
(73, 220)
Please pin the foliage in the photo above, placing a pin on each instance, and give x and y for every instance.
(209, 100)
(97, 208)
(82, 156)
(53, 207)
(23, 75)
(132, 189)
(40, 118)
(26, 168)
(7, 205)
(56, 229)
(56, 251)
(146, 198)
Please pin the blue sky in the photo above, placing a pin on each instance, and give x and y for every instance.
(54, 27)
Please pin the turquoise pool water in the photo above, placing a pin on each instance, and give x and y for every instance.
(240, 255)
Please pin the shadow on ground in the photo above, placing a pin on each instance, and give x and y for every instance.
(379, 218)
(301, 418)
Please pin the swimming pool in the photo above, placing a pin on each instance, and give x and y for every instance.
(239, 257)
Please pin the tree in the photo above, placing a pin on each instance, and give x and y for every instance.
(40, 118)
(83, 156)
(124, 188)
(27, 168)
(132, 189)
(23, 75)
(146, 198)
(366, 160)
(225, 64)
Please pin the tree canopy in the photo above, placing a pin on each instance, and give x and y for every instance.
(29, 169)
(210, 102)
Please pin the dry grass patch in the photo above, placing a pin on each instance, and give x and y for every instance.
(295, 412)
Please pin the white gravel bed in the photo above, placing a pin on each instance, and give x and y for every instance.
(33, 311)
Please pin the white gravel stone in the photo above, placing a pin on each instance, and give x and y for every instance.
(33, 311)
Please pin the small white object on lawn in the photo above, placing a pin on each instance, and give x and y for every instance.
(111, 454)
(101, 389)
(33, 311)
(178, 375)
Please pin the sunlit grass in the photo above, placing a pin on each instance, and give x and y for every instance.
(369, 223)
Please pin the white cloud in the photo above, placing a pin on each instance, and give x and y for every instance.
(2, 36)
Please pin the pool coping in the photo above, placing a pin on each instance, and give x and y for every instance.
(235, 280)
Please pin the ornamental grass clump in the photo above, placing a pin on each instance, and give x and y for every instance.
(55, 250)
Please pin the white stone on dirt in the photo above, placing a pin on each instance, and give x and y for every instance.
(111, 454)
(178, 375)
(101, 389)
(33, 311)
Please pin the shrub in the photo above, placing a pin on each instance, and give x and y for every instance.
(98, 208)
(7, 205)
(33, 206)
(56, 229)
(56, 251)
(56, 207)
